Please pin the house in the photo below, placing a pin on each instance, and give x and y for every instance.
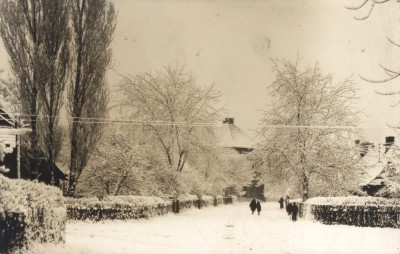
(11, 130)
(382, 177)
(231, 136)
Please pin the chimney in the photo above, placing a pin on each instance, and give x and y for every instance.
(389, 140)
(229, 121)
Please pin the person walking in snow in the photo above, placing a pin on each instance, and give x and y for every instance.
(258, 206)
(281, 202)
(295, 210)
(289, 209)
(253, 205)
(287, 202)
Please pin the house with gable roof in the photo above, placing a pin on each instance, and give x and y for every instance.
(230, 136)
(382, 173)
(11, 130)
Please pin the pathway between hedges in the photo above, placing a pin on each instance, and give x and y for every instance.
(225, 229)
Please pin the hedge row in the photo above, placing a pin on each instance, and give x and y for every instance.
(30, 213)
(135, 207)
(348, 211)
(116, 208)
(354, 200)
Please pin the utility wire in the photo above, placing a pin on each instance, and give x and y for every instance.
(95, 120)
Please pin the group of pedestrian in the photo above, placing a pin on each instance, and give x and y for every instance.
(255, 205)
(291, 207)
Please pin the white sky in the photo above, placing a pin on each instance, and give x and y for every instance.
(226, 42)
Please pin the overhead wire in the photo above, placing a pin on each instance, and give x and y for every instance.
(97, 120)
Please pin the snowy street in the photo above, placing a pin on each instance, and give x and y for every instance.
(225, 229)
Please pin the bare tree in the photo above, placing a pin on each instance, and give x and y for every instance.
(309, 132)
(176, 114)
(55, 67)
(35, 35)
(93, 25)
(220, 170)
(367, 6)
(119, 165)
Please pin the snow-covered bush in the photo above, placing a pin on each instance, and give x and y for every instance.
(206, 201)
(353, 200)
(235, 199)
(187, 201)
(30, 212)
(117, 208)
(218, 200)
(357, 211)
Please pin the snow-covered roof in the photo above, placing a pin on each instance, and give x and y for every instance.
(229, 135)
(7, 91)
(20, 131)
(376, 161)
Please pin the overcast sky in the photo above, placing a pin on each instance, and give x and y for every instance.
(230, 44)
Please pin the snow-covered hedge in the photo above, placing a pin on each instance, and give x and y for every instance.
(192, 201)
(134, 207)
(116, 208)
(357, 211)
(206, 201)
(234, 199)
(185, 202)
(218, 200)
(353, 200)
(30, 213)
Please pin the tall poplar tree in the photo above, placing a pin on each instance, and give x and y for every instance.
(93, 25)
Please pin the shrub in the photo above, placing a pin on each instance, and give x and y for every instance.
(357, 211)
(218, 200)
(206, 201)
(353, 200)
(188, 201)
(30, 212)
(117, 208)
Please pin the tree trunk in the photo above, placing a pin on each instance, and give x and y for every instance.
(119, 185)
(34, 140)
(73, 166)
(305, 188)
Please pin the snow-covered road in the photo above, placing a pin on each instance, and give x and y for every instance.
(225, 229)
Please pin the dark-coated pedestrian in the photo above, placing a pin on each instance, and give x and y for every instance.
(258, 206)
(289, 208)
(295, 210)
(253, 205)
(281, 202)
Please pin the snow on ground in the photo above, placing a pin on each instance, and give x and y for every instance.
(224, 229)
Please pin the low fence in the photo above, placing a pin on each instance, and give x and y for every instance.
(352, 214)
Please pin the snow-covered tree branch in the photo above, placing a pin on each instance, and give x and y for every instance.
(308, 134)
(176, 114)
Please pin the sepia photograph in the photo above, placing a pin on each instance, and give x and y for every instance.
(199, 126)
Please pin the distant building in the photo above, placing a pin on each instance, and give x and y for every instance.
(10, 131)
(382, 176)
(231, 136)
